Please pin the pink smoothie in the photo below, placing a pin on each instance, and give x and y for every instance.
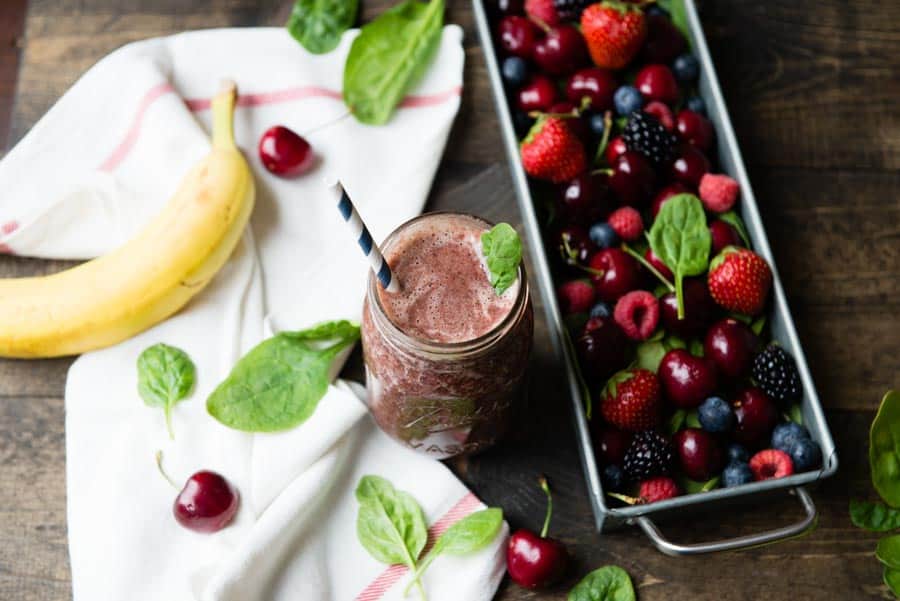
(446, 290)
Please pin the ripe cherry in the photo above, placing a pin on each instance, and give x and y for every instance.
(699, 309)
(690, 165)
(574, 246)
(755, 415)
(614, 273)
(595, 84)
(508, 7)
(665, 194)
(695, 129)
(561, 51)
(539, 94)
(656, 82)
(206, 503)
(610, 443)
(664, 41)
(699, 454)
(535, 561)
(585, 199)
(633, 179)
(686, 379)
(284, 152)
(615, 149)
(731, 345)
(517, 36)
(601, 348)
(657, 264)
(723, 234)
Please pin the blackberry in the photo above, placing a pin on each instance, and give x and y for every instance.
(645, 134)
(775, 371)
(648, 455)
(570, 10)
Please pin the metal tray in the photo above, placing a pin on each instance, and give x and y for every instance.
(781, 324)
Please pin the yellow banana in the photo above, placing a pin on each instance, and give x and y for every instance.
(113, 297)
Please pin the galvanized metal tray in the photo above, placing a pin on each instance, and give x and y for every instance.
(781, 324)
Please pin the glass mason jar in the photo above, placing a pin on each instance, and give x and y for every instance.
(445, 398)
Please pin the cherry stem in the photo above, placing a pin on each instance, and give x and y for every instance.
(163, 472)
(545, 486)
(604, 171)
(604, 140)
(317, 128)
(624, 498)
(573, 114)
(649, 266)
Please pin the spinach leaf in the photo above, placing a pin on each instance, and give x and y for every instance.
(319, 24)
(735, 221)
(279, 383)
(884, 449)
(692, 419)
(165, 376)
(693, 486)
(676, 421)
(389, 56)
(892, 580)
(609, 583)
(649, 354)
(888, 551)
(502, 250)
(468, 535)
(390, 524)
(875, 517)
(681, 239)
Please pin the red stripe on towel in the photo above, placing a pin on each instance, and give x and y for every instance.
(5, 230)
(388, 578)
(124, 147)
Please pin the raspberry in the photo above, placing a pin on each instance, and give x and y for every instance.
(627, 224)
(661, 111)
(776, 373)
(576, 296)
(771, 463)
(645, 134)
(637, 313)
(658, 489)
(542, 11)
(648, 455)
(718, 192)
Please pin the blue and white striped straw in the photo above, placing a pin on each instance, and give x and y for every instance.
(362, 235)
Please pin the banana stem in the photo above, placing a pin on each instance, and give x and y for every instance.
(223, 115)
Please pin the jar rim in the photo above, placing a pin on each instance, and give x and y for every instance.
(381, 317)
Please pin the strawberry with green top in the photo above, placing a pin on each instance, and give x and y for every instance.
(631, 400)
(614, 32)
(739, 280)
(551, 151)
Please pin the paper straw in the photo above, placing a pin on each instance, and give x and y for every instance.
(364, 238)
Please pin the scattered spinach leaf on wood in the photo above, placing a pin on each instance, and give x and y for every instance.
(884, 449)
(319, 24)
(165, 377)
(875, 517)
(279, 383)
(609, 583)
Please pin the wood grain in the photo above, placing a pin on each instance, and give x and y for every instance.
(812, 89)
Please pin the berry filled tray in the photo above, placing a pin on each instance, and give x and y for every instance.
(689, 385)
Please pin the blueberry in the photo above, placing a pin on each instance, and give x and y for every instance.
(522, 123)
(696, 104)
(515, 71)
(736, 473)
(613, 478)
(627, 100)
(603, 235)
(601, 309)
(784, 435)
(655, 9)
(806, 454)
(598, 124)
(716, 415)
(686, 68)
(737, 452)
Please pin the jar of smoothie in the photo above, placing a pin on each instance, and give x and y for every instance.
(446, 356)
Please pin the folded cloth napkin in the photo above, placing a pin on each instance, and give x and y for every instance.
(102, 161)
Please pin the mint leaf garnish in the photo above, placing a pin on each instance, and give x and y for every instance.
(502, 250)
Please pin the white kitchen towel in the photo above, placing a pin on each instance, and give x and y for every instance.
(106, 158)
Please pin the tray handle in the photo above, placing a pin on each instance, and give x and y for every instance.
(739, 542)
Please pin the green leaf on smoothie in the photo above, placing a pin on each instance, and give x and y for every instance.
(389, 56)
(502, 250)
(319, 24)
(279, 383)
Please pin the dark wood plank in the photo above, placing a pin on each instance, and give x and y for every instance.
(12, 23)
(812, 89)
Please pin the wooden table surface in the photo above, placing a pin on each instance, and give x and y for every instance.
(813, 90)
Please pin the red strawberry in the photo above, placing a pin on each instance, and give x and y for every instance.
(576, 296)
(542, 12)
(658, 489)
(614, 32)
(630, 400)
(552, 151)
(771, 463)
(627, 223)
(739, 280)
